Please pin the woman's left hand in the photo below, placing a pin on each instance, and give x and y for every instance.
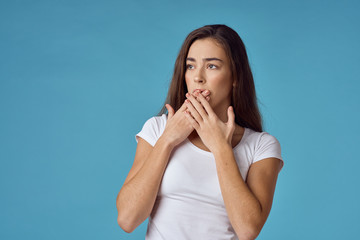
(213, 132)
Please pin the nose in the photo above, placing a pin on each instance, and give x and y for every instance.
(199, 76)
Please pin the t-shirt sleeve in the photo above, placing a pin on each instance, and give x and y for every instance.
(152, 129)
(267, 146)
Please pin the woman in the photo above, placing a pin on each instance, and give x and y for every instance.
(206, 170)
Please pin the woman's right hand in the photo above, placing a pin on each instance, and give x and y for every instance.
(177, 127)
(148, 169)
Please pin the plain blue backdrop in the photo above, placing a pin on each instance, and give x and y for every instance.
(78, 79)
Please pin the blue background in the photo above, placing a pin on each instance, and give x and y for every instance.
(78, 79)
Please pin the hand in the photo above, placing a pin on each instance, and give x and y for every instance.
(212, 131)
(177, 127)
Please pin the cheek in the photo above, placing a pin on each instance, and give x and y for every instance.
(187, 77)
(187, 85)
(222, 84)
(221, 81)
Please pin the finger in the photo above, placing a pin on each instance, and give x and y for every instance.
(192, 121)
(206, 94)
(193, 111)
(197, 105)
(231, 116)
(170, 111)
(205, 105)
(183, 107)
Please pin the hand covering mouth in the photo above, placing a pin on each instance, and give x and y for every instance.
(201, 90)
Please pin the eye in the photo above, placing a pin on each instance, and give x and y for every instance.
(212, 66)
(189, 66)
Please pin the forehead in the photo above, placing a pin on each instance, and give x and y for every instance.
(207, 48)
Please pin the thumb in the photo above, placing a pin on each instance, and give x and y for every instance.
(231, 116)
(170, 111)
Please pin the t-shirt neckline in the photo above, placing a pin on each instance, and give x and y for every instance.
(210, 153)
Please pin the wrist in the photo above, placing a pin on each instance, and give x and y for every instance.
(166, 142)
(222, 149)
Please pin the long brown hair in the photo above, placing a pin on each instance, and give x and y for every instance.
(244, 99)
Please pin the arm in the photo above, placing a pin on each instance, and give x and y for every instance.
(137, 196)
(247, 204)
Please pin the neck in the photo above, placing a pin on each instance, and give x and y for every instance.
(222, 114)
(221, 111)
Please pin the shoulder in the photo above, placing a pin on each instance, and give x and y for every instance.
(156, 122)
(152, 129)
(264, 145)
(260, 138)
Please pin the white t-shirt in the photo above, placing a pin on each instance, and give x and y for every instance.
(189, 204)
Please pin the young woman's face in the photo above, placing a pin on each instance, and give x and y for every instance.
(208, 68)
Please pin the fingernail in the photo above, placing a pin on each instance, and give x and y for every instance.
(206, 91)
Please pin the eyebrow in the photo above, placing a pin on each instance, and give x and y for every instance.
(205, 59)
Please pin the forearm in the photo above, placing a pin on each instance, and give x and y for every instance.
(137, 197)
(243, 208)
